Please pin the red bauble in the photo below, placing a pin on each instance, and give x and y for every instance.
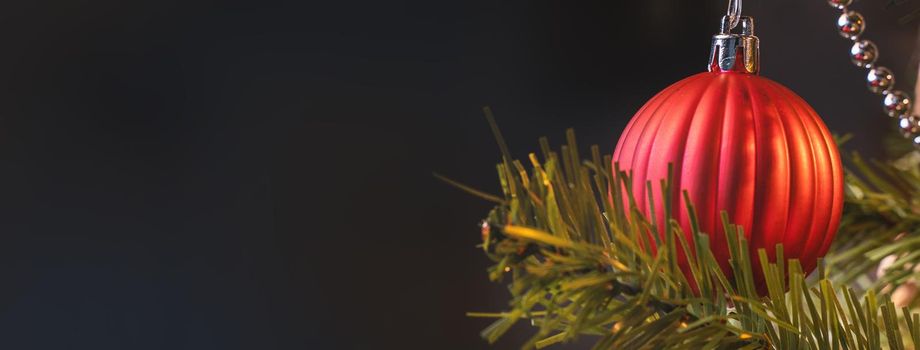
(744, 144)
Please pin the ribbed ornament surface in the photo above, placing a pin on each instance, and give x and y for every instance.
(744, 144)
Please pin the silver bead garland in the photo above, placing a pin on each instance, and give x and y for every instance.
(896, 104)
(851, 24)
(864, 53)
(880, 80)
(840, 4)
(909, 125)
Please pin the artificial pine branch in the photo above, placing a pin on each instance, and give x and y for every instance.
(578, 266)
(881, 221)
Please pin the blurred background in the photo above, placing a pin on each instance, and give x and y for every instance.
(258, 174)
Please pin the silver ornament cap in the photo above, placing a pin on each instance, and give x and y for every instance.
(735, 52)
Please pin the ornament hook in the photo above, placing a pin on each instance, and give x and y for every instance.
(733, 13)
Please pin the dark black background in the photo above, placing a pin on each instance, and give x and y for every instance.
(257, 175)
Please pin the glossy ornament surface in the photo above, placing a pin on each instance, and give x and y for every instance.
(744, 144)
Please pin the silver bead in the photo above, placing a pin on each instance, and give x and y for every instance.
(916, 141)
(863, 53)
(896, 103)
(840, 4)
(909, 125)
(851, 24)
(880, 80)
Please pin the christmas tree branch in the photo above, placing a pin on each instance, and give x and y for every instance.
(881, 222)
(580, 264)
